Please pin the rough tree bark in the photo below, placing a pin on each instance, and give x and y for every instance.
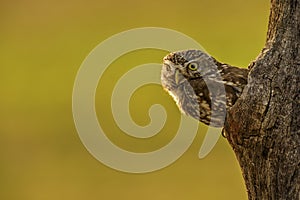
(263, 127)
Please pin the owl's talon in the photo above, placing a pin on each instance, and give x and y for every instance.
(223, 133)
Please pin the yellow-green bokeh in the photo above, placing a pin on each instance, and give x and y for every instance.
(42, 44)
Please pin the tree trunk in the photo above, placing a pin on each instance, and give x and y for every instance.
(263, 127)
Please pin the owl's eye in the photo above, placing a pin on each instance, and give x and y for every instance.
(193, 66)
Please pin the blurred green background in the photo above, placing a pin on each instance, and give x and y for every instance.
(42, 46)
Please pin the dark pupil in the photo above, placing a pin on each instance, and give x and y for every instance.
(193, 66)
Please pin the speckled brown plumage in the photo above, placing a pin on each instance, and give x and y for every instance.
(201, 86)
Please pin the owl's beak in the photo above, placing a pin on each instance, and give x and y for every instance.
(178, 77)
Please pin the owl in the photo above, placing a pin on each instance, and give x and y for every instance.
(202, 87)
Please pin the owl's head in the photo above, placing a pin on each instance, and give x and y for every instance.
(184, 66)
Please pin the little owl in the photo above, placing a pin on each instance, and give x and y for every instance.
(202, 87)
